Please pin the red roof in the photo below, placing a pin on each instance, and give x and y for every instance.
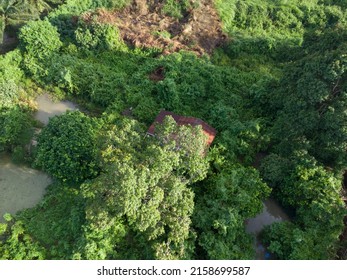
(208, 130)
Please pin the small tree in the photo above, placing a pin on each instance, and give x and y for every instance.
(67, 147)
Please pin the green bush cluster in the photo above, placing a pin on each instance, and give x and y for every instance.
(314, 192)
(180, 8)
(96, 36)
(67, 147)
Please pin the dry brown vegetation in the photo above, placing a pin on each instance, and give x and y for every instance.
(144, 25)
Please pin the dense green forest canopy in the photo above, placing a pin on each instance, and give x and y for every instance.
(275, 90)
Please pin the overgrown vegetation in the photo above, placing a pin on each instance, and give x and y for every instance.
(277, 87)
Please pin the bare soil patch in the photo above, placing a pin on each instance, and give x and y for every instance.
(144, 25)
(158, 74)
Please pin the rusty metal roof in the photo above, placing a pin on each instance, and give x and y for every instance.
(208, 130)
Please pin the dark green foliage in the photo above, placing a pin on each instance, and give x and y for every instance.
(14, 13)
(314, 192)
(57, 221)
(313, 97)
(278, 87)
(223, 202)
(67, 147)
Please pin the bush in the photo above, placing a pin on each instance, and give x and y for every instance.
(18, 154)
(8, 93)
(97, 36)
(14, 127)
(39, 39)
(67, 147)
(178, 9)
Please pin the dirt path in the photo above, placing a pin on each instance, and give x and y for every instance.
(144, 25)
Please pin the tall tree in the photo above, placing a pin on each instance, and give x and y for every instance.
(146, 183)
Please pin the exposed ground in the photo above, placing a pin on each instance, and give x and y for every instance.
(144, 25)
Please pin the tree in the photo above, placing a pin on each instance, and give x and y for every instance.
(67, 147)
(313, 95)
(223, 202)
(145, 182)
(301, 183)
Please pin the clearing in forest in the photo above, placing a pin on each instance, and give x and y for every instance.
(145, 25)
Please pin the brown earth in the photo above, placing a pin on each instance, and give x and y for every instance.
(144, 25)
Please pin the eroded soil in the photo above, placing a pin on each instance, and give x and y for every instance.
(144, 25)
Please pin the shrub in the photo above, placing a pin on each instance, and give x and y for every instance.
(39, 39)
(98, 36)
(67, 147)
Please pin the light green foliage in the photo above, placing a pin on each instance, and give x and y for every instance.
(277, 87)
(17, 244)
(179, 8)
(146, 182)
(39, 39)
(14, 127)
(14, 119)
(101, 235)
(271, 29)
(76, 7)
(97, 36)
(2, 28)
(10, 70)
(110, 4)
(308, 183)
(281, 19)
(67, 147)
(8, 93)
